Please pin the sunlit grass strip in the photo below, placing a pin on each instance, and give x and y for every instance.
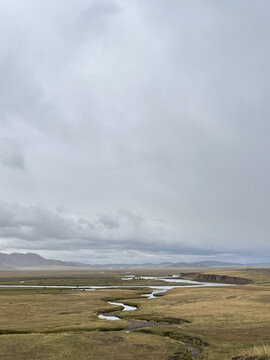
(257, 352)
(261, 352)
(118, 327)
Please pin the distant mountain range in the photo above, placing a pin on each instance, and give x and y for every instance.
(16, 261)
(198, 264)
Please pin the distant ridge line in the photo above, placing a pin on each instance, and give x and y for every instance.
(20, 260)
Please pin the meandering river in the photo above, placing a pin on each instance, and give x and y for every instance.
(155, 290)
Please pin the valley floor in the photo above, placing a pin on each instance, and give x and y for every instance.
(221, 322)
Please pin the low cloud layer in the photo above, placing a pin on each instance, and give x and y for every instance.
(110, 237)
(135, 130)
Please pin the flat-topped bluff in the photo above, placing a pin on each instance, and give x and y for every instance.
(214, 278)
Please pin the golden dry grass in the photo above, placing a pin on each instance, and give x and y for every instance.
(228, 318)
(87, 346)
(51, 310)
(64, 324)
(262, 352)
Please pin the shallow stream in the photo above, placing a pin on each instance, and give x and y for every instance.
(156, 290)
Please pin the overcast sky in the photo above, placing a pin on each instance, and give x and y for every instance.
(135, 131)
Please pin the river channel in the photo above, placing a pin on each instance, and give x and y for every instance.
(155, 290)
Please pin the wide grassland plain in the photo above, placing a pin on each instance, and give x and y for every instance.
(221, 322)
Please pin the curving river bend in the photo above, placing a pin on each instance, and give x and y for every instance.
(155, 290)
(194, 351)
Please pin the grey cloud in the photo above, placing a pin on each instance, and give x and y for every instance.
(108, 221)
(32, 227)
(11, 154)
(93, 17)
(35, 227)
(157, 108)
